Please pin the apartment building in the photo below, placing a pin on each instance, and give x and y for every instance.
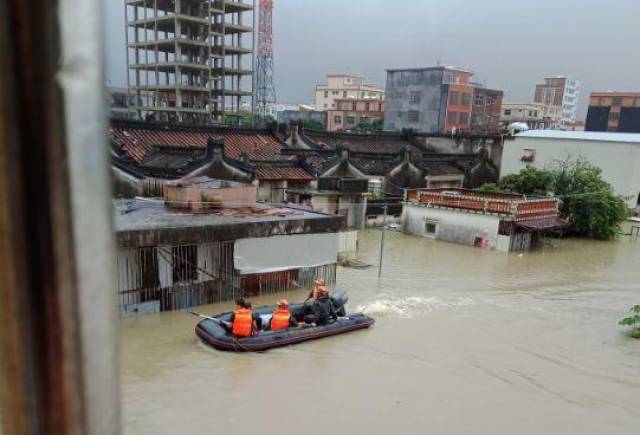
(614, 111)
(562, 92)
(349, 113)
(537, 116)
(439, 99)
(345, 86)
(189, 61)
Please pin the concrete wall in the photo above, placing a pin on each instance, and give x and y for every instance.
(452, 226)
(347, 244)
(620, 162)
(271, 191)
(400, 86)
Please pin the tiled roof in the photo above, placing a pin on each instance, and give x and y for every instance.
(138, 141)
(291, 173)
(365, 143)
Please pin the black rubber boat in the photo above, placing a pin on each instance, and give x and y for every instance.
(214, 332)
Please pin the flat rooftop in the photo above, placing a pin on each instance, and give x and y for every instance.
(581, 135)
(148, 222)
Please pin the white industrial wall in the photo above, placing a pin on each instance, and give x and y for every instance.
(620, 162)
(453, 226)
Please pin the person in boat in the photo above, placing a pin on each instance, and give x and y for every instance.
(244, 322)
(321, 311)
(314, 292)
(282, 317)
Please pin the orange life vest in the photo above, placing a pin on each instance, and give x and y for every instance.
(280, 319)
(243, 322)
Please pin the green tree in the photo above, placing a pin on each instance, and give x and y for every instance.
(529, 181)
(589, 204)
(312, 124)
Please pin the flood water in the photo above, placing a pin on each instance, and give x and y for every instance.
(466, 341)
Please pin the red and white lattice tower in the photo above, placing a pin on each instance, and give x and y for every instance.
(265, 91)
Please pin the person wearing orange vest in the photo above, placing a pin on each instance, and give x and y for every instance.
(244, 321)
(282, 318)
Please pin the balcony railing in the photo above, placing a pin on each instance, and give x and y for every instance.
(516, 207)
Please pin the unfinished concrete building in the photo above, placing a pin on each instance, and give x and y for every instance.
(190, 60)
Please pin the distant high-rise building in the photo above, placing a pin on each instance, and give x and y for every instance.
(562, 92)
(439, 99)
(345, 86)
(614, 111)
(189, 60)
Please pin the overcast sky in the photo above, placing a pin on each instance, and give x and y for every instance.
(510, 44)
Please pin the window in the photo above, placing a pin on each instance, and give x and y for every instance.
(334, 92)
(507, 112)
(464, 118)
(337, 119)
(535, 113)
(454, 98)
(364, 119)
(491, 99)
(530, 112)
(351, 120)
(344, 94)
(466, 99)
(414, 97)
(614, 116)
(367, 107)
(326, 94)
(616, 101)
(325, 105)
(452, 117)
(430, 226)
(185, 263)
(413, 116)
(480, 100)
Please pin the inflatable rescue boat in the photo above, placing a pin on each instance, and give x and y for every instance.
(215, 330)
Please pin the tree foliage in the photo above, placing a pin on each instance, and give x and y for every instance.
(312, 124)
(589, 204)
(633, 321)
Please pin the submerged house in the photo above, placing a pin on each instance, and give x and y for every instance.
(493, 220)
(177, 254)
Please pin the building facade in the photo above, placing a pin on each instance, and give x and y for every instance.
(438, 100)
(482, 219)
(189, 61)
(345, 86)
(537, 116)
(487, 106)
(561, 92)
(614, 111)
(616, 154)
(350, 113)
(169, 260)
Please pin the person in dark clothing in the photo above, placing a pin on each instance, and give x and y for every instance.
(322, 311)
(241, 304)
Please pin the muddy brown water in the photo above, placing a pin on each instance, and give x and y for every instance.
(466, 341)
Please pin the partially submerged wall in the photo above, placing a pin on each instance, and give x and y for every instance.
(451, 226)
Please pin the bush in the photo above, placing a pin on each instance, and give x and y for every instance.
(633, 321)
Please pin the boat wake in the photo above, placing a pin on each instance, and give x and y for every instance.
(408, 306)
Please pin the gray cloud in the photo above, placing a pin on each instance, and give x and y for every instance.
(510, 44)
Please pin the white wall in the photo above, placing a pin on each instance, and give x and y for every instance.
(452, 226)
(620, 162)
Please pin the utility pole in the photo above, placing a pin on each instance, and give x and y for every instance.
(384, 223)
